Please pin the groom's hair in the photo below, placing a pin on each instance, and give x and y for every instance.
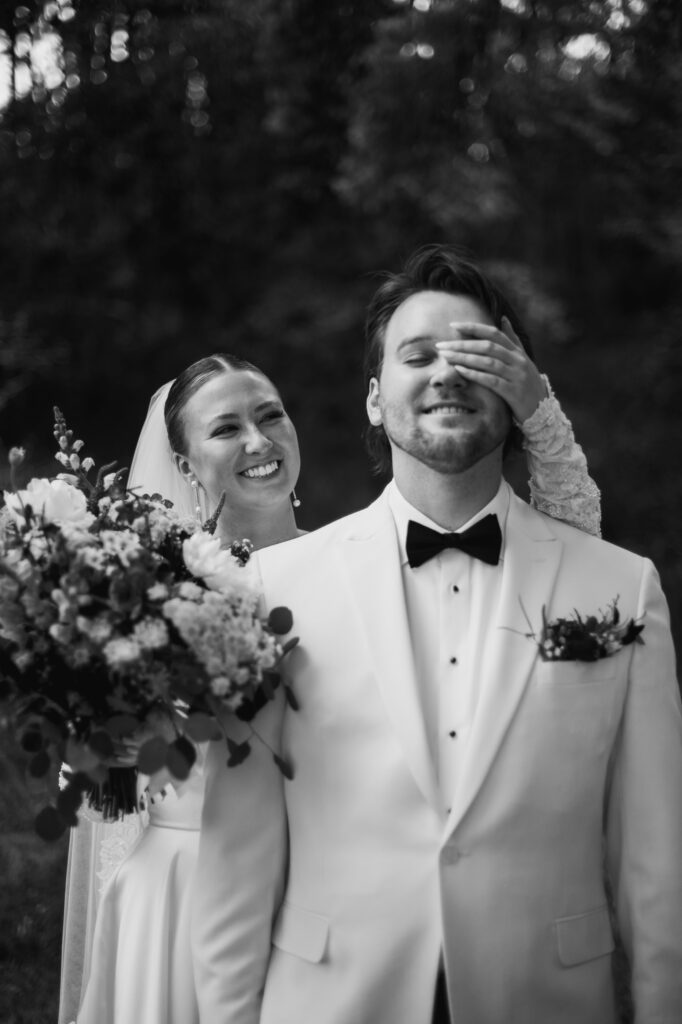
(188, 383)
(433, 268)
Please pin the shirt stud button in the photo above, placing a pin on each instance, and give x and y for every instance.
(453, 660)
(455, 589)
(452, 734)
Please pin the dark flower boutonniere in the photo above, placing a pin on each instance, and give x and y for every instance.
(586, 638)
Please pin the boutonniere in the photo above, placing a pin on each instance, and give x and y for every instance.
(585, 638)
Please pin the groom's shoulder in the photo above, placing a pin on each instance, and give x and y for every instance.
(311, 545)
(583, 544)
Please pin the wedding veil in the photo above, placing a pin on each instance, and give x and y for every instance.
(153, 469)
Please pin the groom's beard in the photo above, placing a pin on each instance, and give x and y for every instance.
(451, 451)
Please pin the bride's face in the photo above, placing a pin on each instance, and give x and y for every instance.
(240, 440)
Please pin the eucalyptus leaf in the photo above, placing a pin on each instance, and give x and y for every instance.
(291, 698)
(238, 752)
(49, 824)
(280, 620)
(284, 766)
(201, 727)
(152, 755)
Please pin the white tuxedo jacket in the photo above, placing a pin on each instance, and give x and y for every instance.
(331, 899)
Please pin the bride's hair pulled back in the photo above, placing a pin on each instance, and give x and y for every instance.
(188, 383)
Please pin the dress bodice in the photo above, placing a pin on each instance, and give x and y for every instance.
(181, 803)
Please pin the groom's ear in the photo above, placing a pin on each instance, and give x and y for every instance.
(373, 409)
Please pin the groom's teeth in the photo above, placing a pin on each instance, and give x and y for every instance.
(260, 471)
(449, 410)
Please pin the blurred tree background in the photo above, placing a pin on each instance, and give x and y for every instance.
(185, 176)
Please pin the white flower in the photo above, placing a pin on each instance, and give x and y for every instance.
(221, 687)
(157, 592)
(16, 456)
(108, 480)
(205, 559)
(23, 660)
(122, 652)
(121, 544)
(58, 501)
(95, 558)
(61, 632)
(151, 633)
(189, 591)
(98, 630)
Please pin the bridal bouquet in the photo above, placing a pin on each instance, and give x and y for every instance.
(120, 619)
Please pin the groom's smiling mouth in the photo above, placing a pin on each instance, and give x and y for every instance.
(262, 471)
(448, 409)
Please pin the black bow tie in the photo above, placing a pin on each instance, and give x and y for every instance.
(482, 540)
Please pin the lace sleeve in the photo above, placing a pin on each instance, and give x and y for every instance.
(560, 484)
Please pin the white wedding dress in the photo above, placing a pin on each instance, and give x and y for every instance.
(140, 969)
(126, 956)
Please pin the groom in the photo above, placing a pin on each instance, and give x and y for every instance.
(440, 854)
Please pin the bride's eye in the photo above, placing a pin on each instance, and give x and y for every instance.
(225, 430)
(272, 415)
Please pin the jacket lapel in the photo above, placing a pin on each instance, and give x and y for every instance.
(532, 554)
(372, 564)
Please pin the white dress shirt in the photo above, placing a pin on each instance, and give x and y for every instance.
(450, 602)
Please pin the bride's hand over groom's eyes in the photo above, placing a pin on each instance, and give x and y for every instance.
(497, 360)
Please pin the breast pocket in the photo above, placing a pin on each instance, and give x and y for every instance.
(576, 673)
(301, 933)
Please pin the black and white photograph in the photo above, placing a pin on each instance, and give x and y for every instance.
(340, 532)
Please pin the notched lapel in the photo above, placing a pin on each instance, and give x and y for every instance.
(531, 562)
(371, 562)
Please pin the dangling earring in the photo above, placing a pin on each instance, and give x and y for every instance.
(194, 484)
(296, 502)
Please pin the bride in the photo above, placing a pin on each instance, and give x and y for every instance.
(221, 427)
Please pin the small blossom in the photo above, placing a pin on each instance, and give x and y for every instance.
(98, 630)
(16, 456)
(108, 480)
(61, 632)
(157, 592)
(77, 445)
(23, 660)
(121, 544)
(63, 459)
(121, 652)
(74, 461)
(88, 464)
(151, 633)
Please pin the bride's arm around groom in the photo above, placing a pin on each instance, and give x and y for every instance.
(241, 873)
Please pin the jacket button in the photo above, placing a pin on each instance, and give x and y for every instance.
(451, 854)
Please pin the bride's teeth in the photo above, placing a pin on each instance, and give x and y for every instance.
(258, 471)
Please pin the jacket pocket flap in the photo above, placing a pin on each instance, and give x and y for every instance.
(584, 673)
(301, 932)
(584, 937)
